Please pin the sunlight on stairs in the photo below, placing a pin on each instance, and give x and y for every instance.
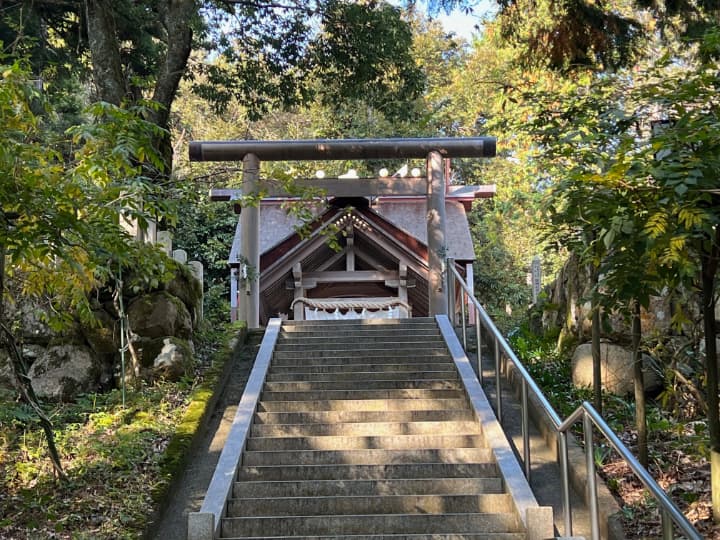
(363, 430)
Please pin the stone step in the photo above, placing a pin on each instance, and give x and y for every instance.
(347, 472)
(388, 367)
(384, 442)
(410, 345)
(329, 417)
(398, 393)
(364, 429)
(464, 536)
(374, 504)
(483, 467)
(355, 341)
(360, 323)
(365, 456)
(378, 332)
(264, 527)
(405, 404)
(449, 374)
(346, 488)
(342, 358)
(365, 384)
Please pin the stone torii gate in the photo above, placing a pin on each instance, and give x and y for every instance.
(434, 150)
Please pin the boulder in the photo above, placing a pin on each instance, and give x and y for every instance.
(159, 315)
(104, 336)
(616, 369)
(174, 360)
(188, 289)
(8, 383)
(63, 372)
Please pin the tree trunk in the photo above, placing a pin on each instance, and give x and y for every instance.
(111, 79)
(595, 339)
(596, 356)
(176, 16)
(639, 382)
(709, 261)
(20, 372)
(105, 52)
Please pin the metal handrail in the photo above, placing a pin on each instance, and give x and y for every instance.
(669, 511)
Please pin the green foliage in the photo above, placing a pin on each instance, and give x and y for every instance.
(60, 226)
(120, 460)
(364, 52)
(113, 459)
(272, 59)
(565, 34)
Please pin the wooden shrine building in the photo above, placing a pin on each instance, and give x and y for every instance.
(376, 246)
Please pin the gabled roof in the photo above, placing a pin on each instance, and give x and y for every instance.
(278, 227)
(377, 245)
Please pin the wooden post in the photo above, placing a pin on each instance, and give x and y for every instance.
(234, 294)
(250, 244)
(350, 249)
(470, 280)
(437, 249)
(299, 309)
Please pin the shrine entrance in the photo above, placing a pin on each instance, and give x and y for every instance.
(321, 289)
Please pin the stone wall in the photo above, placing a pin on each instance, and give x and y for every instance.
(86, 358)
(565, 306)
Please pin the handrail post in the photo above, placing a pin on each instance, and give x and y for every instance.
(565, 479)
(450, 279)
(591, 478)
(478, 344)
(667, 525)
(498, 388)
(525, 430)
(464, 323)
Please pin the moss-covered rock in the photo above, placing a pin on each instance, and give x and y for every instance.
(188, 289)
(103, 336)
(166, 358)
(63, 372)
(159, 315)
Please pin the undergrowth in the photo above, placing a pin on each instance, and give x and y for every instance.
(119, 460)
(677, 445)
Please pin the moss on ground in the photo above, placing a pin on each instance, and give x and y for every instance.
(120, 461)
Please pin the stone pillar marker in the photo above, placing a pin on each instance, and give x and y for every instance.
(437, 248)
(180, 255)
(197, 270)
(249, 301)
(536, 272)
(164, 240)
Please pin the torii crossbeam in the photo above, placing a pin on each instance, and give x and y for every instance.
(434, 150)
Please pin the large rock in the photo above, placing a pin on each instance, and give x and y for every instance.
(188, 289)
(8, 382)
(104, 335)
(63, 372)
(174, 360)
(616, 369)
(159, 315)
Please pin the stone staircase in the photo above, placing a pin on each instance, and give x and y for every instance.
(364, 430)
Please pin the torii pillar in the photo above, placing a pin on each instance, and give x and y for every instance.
(437, 248)
(434, 186)
(249, 297)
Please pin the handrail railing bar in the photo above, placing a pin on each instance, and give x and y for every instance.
(591, 476)
(565, 480)
(525, 429)
(478, 346)
(648, 481)
(498, 382)
(667, 525)
(496, 335)
(669, 511)
(462, 315)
